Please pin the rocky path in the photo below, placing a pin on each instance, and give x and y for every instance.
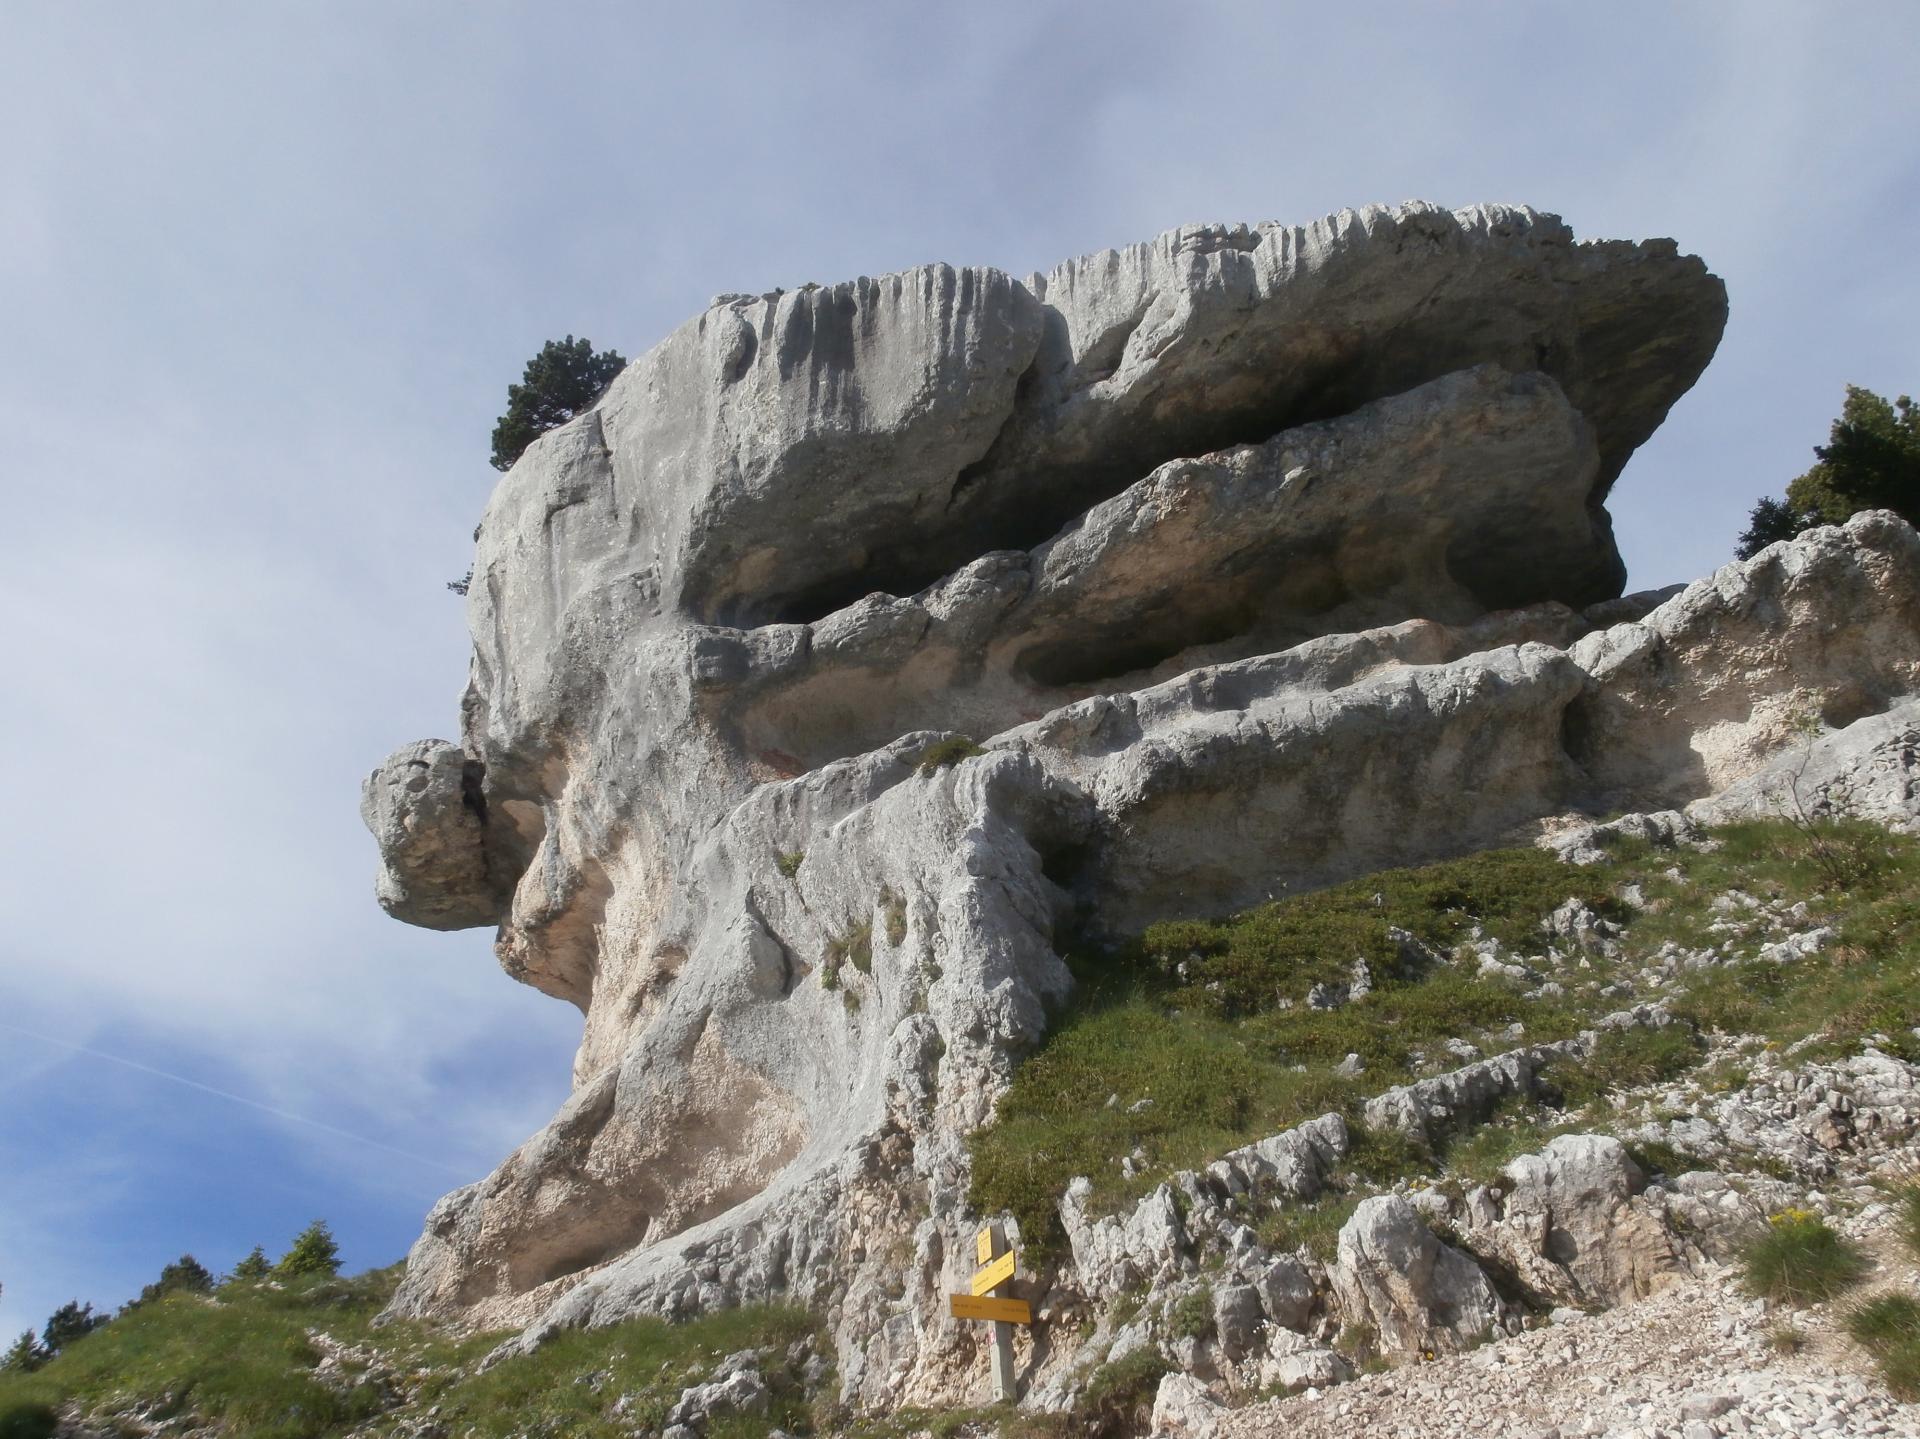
(1697, 1362)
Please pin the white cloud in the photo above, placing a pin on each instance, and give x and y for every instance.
(267, 269)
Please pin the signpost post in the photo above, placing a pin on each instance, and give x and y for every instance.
(995, 1259)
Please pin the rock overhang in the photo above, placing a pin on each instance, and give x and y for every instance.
(1252, 557)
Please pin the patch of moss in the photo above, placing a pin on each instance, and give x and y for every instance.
(944, 753)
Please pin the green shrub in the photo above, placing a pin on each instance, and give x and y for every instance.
(1888, 1328)
(1624, 1059)
(1313, 1227)
(1191, 1316)
(1277, 952)
(27, 1419)
(1800, 1260)
(1119, 1396)
(788, 862)
(857, 947)
(1382, 1155)
(314, 1252)
(1655, 1157)
(944, 753)
(1481, 1157)
(648, 1359)
(1906, 1208)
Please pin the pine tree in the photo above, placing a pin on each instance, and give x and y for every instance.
(256, 1266)
(313, 1252)
(72, 1320)
(186, 1274)
(25, 1356)
(1770, 520)
(1871, 461)
(565, 378)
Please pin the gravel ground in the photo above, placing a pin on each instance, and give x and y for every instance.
(1697, 1362)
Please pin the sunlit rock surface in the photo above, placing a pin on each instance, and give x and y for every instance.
(1251, 558)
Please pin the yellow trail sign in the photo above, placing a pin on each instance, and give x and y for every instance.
(983, 1246)
(985, 1281)
(974, 1306)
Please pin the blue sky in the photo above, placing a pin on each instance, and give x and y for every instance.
(266, 270)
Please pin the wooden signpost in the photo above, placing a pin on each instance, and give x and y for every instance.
(996, 1270)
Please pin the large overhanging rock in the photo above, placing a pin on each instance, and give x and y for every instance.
(1254, 559)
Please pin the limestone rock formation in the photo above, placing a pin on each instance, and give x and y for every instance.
(1416, 1291)
(1251, 558)
(1571, 1229)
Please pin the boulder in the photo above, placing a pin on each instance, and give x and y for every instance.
(1571, 1229)
(426, 807)
(1417, 1294)
(1184, 1408)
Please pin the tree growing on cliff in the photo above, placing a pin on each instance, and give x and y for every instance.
(1871, 461)
(313, 1252)
(565, 378)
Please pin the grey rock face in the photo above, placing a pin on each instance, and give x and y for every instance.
(1253, 558)
(1869, 769)
(1571, 1229)
(1433, 1108)
(426, 807)
(1415, 1291)
(1742, 668)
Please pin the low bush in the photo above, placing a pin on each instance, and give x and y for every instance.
(1270, 957)
(1191, 1316)
(1888, 1328)
(1624, 1059)
(1800, 1260)
(944, 753)
(1313, 1227)
(1906, 1208)
(647, 1360)
(1119, 1397)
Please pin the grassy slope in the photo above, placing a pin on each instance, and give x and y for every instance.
(1208, 1021)
(244, 1358)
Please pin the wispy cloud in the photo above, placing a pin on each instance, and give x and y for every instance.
(267, 270)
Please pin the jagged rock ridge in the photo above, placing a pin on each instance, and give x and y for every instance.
(1252, 556)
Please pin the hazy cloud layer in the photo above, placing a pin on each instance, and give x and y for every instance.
(267, 269)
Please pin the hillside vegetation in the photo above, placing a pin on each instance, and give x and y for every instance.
(302, 1359)
(1195, 1038)
(1199, 1036)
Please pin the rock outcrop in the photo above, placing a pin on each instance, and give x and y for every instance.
(1252, 558)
